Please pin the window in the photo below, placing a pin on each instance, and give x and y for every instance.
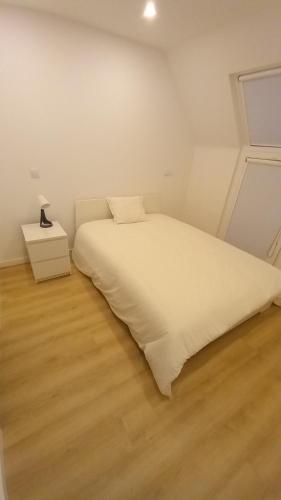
(256, 218)
(252, 216)
(261, 93)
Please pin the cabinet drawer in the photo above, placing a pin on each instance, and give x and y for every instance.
(51, 268)
(45, 250)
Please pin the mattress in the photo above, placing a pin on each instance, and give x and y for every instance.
(176, 287)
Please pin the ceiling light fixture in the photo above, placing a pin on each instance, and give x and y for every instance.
(150, 10)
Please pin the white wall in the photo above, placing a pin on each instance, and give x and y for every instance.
(207, 188)
(95, 113)
(202, 70)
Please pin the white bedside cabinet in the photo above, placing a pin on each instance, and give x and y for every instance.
(48, 250)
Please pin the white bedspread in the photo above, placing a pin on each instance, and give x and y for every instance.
(177, 288)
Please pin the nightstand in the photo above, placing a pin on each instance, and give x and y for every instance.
(48, 250)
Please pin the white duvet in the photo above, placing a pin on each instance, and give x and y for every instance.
(177, 288)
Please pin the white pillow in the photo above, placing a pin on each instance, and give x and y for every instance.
(127, 209)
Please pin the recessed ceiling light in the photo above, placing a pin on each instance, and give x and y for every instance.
(150, 10)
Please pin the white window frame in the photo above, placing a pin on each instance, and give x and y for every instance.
(259, 152)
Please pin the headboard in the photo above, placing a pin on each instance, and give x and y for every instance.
(97, 209)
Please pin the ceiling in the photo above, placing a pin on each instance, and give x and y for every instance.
(178, 20)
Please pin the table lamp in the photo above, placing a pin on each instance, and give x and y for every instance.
(44, 222)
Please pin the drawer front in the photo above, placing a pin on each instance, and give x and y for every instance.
(45, 250)
(51, 268)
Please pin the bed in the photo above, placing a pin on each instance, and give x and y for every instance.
(176, 287)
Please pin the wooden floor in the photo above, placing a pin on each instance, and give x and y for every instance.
(83, 420)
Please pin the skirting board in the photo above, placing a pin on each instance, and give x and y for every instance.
(13, 262)
(3, 489)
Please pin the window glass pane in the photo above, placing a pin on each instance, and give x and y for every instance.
(263, 109)
(256, 219)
